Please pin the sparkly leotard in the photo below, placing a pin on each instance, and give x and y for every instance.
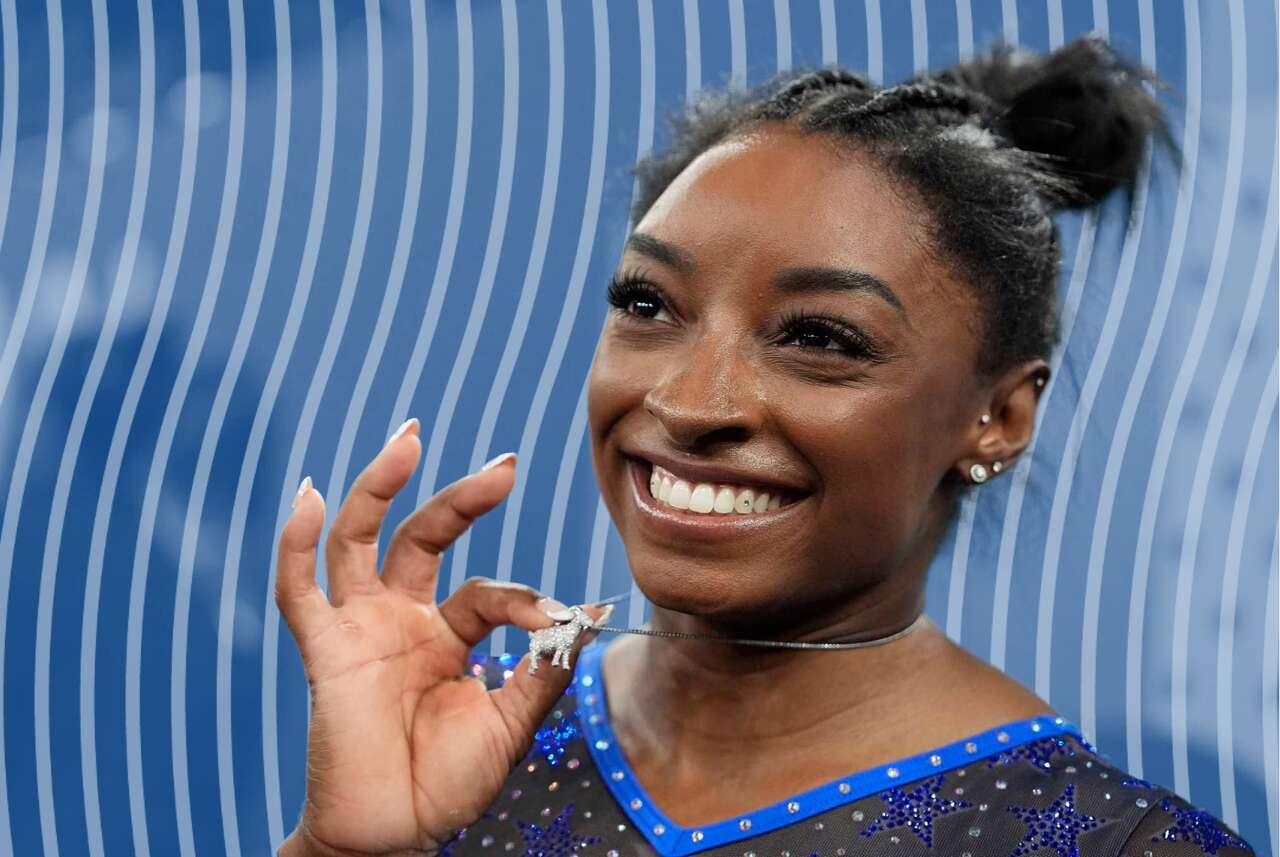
(1031, 787)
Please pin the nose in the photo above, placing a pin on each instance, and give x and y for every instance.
(709, 393)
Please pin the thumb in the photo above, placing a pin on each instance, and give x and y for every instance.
(525, 700)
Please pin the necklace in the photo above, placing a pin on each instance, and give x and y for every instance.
(557, 640)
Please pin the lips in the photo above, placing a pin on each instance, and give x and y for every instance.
(694, 471)
(682, 525)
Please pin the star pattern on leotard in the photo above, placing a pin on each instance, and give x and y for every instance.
(1057, 826)
(1137, 783)
(914, 809)
(557, 839)
(1037, 753)
(550, 741)
(1194, 825)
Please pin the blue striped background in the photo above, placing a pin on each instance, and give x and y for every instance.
(240, 243)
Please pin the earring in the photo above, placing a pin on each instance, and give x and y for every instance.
(978, 473)
(1040, 381)
(984, 419)
(996, 467)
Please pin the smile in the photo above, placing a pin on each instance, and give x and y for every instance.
(713, 498)
(650, 483)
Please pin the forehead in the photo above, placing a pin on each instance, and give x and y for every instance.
(776, 197)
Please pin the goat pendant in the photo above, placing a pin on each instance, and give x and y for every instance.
(557, 640)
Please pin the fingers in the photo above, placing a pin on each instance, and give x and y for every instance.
(352, 545)
(481, 604)
(413, 557)
(301, 601)
(525, 700)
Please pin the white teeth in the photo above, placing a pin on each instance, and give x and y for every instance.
(681, 491)
(703, 498)
(725, 499)
(708, 498)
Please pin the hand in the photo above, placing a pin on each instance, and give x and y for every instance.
(404, 747)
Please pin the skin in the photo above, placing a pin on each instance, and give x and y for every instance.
(403, 748)
(708, 371)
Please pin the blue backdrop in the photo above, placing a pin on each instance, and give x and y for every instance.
(240, 243)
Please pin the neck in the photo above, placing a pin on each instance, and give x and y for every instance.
(673, 697)
(776, 722)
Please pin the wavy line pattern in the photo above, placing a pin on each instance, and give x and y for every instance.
(238, 244)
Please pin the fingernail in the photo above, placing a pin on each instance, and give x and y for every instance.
(494, 462)
(604, 615)
(302, 489)
(404, 426)
(554, 609)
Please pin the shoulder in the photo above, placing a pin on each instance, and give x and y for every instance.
(1169, 825)
(1173, 826)
(1066, 794)
(1160, 823)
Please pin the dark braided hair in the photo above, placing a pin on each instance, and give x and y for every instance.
(990, 147)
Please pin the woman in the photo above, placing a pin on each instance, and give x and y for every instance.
(838, 296)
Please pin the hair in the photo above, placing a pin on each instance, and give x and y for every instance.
(990, 147)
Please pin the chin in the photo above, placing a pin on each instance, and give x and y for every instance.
(715, 594)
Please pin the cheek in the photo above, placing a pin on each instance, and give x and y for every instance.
(857, 434)
(871, 447)
(615, 384)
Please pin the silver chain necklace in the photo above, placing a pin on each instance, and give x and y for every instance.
(557, 640)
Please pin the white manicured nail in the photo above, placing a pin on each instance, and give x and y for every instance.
(553, 608)
(403, 427)
(302, 489)
(494, 462)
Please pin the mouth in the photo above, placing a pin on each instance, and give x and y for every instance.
(672, 521)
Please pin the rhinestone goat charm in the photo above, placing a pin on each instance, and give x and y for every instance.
(557, 640)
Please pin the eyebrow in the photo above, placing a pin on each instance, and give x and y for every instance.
(816, 279)
(660, 251)
(810, 279)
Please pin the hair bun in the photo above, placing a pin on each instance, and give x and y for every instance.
(1083, 106)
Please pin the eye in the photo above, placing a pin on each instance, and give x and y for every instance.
(823, 331)
(815, 331)
(632, 288)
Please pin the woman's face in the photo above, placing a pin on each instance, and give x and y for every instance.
(722, 365)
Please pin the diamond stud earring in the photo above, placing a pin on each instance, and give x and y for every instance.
(978, 473)
(984, 419)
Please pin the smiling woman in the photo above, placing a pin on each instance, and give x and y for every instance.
(832, 319)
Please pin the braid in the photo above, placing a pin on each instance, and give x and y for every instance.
(805, 89)
(927, 95)
(883, 112)
(827, 78)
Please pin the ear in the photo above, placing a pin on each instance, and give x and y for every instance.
(1011, 403)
